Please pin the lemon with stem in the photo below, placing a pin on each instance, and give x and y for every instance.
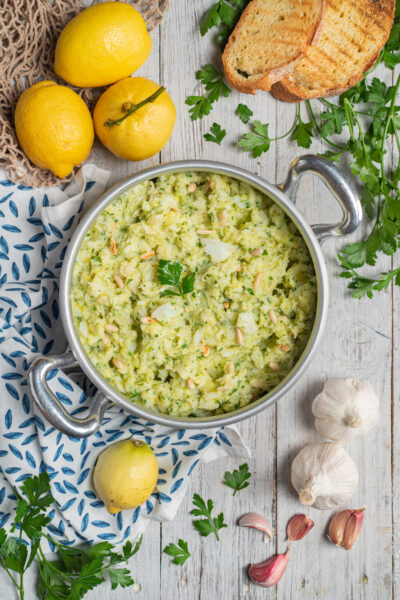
(134, 118)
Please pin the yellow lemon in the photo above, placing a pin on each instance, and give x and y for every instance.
(134, 118)
(104, 43)
(125, 475)
(54, 127)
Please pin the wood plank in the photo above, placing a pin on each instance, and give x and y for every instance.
(216, 570)
(357, 342)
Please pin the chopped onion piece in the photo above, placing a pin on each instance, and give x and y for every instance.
(218, 250)
(164, 312)
(247, 323)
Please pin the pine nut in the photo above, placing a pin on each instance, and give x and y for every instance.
(110, 327)
(256, 282)
(257, 252)
(284, 347)
(239, 335)
(272, 316)
(223, 218)
(213, 185)
(113, 246)
(147, 320)
(206, 351)
(118, 363)
(190, 384)
(203, 231)
(191, 187)
(226, 305)
(176, 209)
(106, 339)
(118, 281)
(274, 366)
(147, 255)
(238, 268)
(230, 368)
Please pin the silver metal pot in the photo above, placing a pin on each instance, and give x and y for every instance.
(313, 235)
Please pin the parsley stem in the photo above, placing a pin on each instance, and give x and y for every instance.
(128, 108)
(318, 128)
(21, 591)
(293, 127)
(385, 133)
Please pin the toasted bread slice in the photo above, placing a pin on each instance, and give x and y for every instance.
(353, 34)
(270, 37)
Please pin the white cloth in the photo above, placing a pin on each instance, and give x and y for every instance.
(35, 228)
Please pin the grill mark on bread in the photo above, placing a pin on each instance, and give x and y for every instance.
(353, 34)
(268, 40)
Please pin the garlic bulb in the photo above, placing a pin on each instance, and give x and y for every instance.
(324, 475)
(346, 409)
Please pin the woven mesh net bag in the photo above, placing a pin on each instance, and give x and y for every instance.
(29, 30)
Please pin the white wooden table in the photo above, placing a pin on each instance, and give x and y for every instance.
(362, 339)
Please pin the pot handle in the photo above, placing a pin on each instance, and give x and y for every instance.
(50, 406)
(339, 186)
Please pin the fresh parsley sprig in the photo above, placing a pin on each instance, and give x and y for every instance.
(237, 479)
(216, 134)
(224, 16)
(180, 552)
(216, 88)
(169, 273)
(75, 570)
(368, 115)
(244, 113)
(210, 524)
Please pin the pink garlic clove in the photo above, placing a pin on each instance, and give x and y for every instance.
(269, 572)
(298, 527)
(256, 522)
(345, 528)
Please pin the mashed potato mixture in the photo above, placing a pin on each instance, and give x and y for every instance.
(193, 294)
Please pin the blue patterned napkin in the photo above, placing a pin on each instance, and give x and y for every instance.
(35, 228)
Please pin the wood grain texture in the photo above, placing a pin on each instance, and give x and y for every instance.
(362, 339)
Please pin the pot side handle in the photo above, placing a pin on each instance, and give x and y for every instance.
(339, 186)
(50, 406)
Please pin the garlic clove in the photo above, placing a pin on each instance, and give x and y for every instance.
(324, 475)
(298, 527)
(269, 572)
(346, 409)
(256, 522)
(345, 527)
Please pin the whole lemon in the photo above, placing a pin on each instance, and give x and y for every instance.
(125, 474)
(54, 127)
(102, 44)
(129, 131)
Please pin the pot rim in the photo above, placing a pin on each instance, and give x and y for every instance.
(282, 200)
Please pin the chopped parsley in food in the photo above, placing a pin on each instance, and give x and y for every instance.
(193, 294)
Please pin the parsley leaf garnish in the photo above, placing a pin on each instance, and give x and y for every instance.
(303, 133)
(244, 113)
(216, 134)
(180, 552)
(75, 571)
(224, 15)
(237, 480)
(256, 141)
(201, 106)
(169, 273)
(209, 524)
(216, 88)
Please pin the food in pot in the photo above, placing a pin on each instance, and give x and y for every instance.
(193, 294)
